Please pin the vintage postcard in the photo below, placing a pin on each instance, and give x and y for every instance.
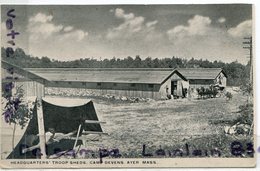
(127, 86)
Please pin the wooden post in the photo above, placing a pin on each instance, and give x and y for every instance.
(41, 128)
(249, 46)
(75, 144)
(251, 61)
(76, 141)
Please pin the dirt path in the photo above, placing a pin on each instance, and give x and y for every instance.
(164, 123)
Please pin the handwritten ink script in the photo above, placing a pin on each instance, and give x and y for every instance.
(10, 27)
(236, 149)
(12, 104)
(74, 96)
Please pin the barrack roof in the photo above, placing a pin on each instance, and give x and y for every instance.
(110, 75)
(200, 73)
(21, 71)
(115, 75)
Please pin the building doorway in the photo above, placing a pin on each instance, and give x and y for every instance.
(174, 88)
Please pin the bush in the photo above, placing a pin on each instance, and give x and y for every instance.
(214, 92)
(229, 95)
(207, 92)
(247, 89)
(246, 112)
(201, 91)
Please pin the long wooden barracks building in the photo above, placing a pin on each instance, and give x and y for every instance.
(156, 83)
(146, 83)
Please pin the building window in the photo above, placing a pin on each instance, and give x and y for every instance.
(56, 82)
(115, 84)
(84, 83)
(69, 82)
(150, 85)
(192, 81)
(133, 85)
(98, 84)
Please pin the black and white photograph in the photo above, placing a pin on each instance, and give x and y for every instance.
(97, 86)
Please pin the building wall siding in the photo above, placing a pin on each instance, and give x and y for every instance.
(117, 89)
(194, 84)
(221, 78)
(165, 88)
(31, 88)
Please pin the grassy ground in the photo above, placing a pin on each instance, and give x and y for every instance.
(169, 125)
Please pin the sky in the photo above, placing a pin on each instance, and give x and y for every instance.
(212, 32)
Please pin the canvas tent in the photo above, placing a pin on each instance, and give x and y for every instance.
(64, 119)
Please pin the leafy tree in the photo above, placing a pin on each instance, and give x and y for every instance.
(238, 74)
(46, 61)
(137, 62)
(15, 110)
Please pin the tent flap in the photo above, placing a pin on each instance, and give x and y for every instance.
(68, 119)
(63, 120)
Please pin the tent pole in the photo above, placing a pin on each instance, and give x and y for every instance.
(41, 128)
(77, 137)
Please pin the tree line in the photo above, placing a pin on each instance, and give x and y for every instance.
(238, 74)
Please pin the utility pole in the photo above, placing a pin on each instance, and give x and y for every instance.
(249, 46)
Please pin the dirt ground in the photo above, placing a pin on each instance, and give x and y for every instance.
(168, 125)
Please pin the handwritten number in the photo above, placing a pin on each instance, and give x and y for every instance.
(250, 148)
(236, 148)
(9, 24)
(13, 34)
(9, 51)
(9, 13)
(11, 42)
